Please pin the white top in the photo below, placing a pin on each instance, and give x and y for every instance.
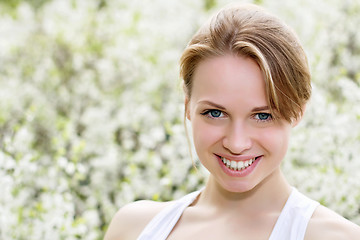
(291, 224)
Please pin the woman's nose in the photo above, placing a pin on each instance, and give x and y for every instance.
(237, 139)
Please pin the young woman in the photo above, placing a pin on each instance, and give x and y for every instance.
(246, 84)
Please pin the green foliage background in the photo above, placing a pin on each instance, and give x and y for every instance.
(91, 113)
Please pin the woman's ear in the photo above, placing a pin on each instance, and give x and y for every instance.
(187, 108)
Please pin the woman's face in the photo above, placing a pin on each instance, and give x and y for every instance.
(235, 136)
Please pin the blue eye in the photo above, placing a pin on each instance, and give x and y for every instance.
(213, 113)
(263, 116)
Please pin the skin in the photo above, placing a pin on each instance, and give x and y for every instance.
(230, 118)
(235, 87)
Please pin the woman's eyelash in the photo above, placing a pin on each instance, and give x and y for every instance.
(263, 117)
(212, 113)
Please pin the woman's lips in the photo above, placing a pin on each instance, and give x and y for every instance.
(239, 166)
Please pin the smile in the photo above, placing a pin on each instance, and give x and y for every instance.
(237, 166)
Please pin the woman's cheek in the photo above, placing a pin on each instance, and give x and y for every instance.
(276, 139)
(205, 134)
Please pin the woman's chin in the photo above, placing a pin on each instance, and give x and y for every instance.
(237, 187)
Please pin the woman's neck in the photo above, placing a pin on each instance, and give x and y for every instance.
(267, 197)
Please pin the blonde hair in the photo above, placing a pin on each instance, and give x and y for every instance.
(250, 31)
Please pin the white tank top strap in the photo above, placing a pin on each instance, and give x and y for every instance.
(162, 224)
(294, 218)
(290, 225)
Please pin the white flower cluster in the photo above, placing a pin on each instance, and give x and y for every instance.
(91, 110)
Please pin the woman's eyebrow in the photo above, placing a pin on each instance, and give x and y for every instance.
(256, 109)
(212, 104)
(263, 108)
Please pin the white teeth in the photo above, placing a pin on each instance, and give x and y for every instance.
(233, 165)
(237, 165)
(227, 163)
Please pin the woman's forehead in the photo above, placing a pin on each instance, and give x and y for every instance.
(229, 79)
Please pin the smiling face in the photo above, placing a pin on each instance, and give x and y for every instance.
(235, 136)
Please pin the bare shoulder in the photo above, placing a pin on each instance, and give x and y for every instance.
(132, 218)
(326, 224)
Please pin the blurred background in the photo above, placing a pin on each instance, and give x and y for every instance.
(91, 109)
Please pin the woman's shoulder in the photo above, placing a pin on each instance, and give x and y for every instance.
(326, 224)
(132, 218)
